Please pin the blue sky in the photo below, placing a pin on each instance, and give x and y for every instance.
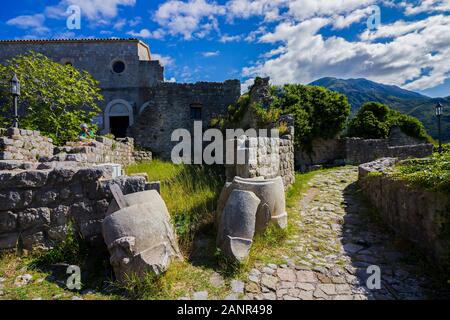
(288, 40)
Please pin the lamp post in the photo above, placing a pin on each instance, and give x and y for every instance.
(15, 91)
(439, 110)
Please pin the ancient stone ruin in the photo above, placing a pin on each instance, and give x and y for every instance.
(413, 212)
(246, 207)
(139, 235)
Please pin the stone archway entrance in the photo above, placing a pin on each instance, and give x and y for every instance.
(118, 118)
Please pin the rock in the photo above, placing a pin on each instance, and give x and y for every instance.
(269, 296)
(305, 286)
(268, 271)
(77, 298)
(269, 282)
(329, 289)
(252, 288)
(305, 295)
(201, 295)
(216, 280)
(237, 286)
(87, 291)
(286, 275)
(237, 224)
(23, 280)
(140, 237)
(306, 276)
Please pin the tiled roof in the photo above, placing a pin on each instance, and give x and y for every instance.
(71, 40)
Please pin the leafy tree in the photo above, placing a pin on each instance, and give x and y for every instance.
(375, 121)
(54, 99)
(318, 112)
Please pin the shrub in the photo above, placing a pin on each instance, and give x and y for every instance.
(54, 99)
(375, 121)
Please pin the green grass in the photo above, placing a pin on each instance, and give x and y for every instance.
(433, 173)
(190, 193)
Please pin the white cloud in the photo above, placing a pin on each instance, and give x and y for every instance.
(227, 38)
(305, 54)
(165, 60)
(98, 12)
(210, 54)
(194, 18)
(95, 9)
(147, 34)
(34, 22)
(426, 6)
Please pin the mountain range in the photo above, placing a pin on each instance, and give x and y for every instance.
(360, 91)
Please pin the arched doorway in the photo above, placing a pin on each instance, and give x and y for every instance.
(118, 118)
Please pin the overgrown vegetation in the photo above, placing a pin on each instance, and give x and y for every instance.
(55, 99)
(190, 193)
(433, 173)
(318, 112)
(375, 121)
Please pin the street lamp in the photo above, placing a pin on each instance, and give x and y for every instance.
(439, 110)
(15, 91)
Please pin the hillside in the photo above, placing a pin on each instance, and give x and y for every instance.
(360, 91)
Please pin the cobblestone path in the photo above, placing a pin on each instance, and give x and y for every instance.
(338, 240)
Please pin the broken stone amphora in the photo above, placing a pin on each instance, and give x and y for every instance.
(247, 206)
(272, 208)
(139, 236)
(237, 224)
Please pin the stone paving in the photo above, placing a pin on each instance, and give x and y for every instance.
(337, 242)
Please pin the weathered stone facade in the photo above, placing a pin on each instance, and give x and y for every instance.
(137, 102)
(416, 214)
(26, 145)
(142, 156)
(171, 107)
(266, 157)
(358, 151)
(37, 206)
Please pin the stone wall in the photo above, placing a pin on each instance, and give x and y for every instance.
(100, 150)
(27, 145)
(31, 146)
(169, 108)
(266, 157)
(36, 206)
(142, 156)
(358, 151)
(322, 152)
(416, 214)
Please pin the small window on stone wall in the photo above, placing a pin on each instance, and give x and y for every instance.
(196, 111)
(118, 66)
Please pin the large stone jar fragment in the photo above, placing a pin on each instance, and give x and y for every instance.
(140, 237)
(237, 224)
(272, 208)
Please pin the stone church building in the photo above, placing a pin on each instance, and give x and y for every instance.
(137, 101)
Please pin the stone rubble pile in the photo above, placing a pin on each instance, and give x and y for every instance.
(24, 145)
